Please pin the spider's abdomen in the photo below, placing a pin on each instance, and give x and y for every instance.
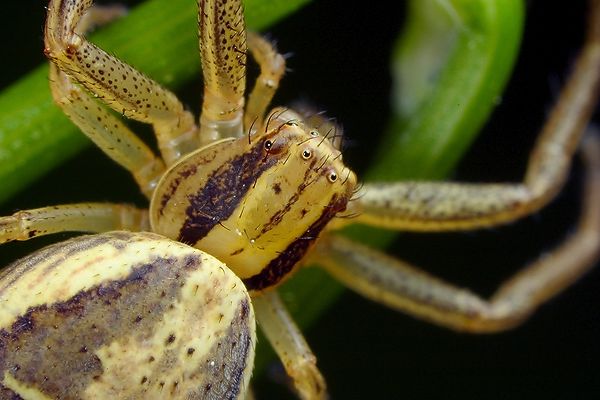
(116, 315)
(258, 205)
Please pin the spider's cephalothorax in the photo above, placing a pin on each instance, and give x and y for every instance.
(257, 203)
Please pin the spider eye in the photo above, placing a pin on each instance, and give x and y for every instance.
(314, 133)
(332, 176)
(306, 154)
(268, 144)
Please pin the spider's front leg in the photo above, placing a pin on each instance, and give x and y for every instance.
(107, 131)
(222, 35)
(223, 46)
(116, 83)
(453, 206)
(406, 288)
(434, 206)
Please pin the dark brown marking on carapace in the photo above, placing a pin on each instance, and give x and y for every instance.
(223, 192)
(236, 252)
(283, 264)
(47, 341)
(190, 169)
(277, 217)
(185, 173)
(276, 188)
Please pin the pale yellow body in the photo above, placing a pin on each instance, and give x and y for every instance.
(124, 315)
(263, 192)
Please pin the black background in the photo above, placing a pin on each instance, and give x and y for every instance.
(340, 62)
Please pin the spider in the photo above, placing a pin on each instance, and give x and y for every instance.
(285, 120)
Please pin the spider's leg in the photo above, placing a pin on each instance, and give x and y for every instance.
(289, 344)
(103, 128)
(107, 131)
(116, 83)
(222, 33)
(429, 206)
(272, 68)
(404, 287)
(82, 217)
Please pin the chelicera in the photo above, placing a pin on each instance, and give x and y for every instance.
(264, 191)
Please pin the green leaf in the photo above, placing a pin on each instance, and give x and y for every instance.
(450, 68)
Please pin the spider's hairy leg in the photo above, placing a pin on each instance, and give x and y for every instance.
(222, 34)
(429, 206)
(272, 68)
(406, 288)
(82, 217)
(119, 85)
(107, 131)
(289, 344)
